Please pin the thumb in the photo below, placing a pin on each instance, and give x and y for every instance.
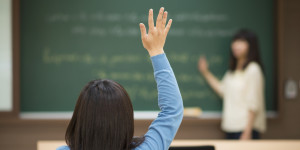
(143, 31)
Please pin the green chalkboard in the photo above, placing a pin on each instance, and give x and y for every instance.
(66, 43)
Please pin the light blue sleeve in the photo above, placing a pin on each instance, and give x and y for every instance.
(63, 148)
(163, 129)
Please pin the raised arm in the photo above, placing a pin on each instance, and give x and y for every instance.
(163, 129)
(214, 83)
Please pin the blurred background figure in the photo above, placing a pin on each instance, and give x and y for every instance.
(242, 88)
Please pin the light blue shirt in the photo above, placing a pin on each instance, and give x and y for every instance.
(163, 129)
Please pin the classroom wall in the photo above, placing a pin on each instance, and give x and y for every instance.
(23, 134)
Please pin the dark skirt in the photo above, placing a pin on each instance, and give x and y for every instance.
(237, 135)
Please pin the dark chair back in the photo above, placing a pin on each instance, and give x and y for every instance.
(209, 147)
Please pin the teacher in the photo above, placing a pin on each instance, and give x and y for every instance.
(242, 88)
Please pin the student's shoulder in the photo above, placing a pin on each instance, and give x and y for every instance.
(63, 148)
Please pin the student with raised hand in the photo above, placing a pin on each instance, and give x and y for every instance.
(103, 116)
(242, 88)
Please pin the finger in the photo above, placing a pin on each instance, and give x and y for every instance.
(143, 30)
(150, 20)
(164, 19)
(159, 17)
(200, 60)
(202, 57)
(168, 26)
(204, 62)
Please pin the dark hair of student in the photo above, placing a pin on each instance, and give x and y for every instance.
(102, 119)
(253, 53)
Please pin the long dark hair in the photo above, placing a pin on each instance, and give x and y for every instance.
(253, 53)
(102, 119)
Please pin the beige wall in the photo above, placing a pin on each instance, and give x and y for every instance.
(23, 134)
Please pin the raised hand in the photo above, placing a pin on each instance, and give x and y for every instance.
(202, 65)
(154, 41)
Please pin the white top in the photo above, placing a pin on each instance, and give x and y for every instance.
(243, 91)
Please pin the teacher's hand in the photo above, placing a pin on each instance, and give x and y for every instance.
(203, 65)
(154, 41)
(246, 135)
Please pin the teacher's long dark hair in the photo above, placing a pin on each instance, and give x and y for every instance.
(253, 54)
(102, 119)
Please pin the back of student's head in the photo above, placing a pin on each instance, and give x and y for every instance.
(102, 119)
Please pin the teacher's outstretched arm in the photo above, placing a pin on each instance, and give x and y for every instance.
(163, 129)
(210, 78)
